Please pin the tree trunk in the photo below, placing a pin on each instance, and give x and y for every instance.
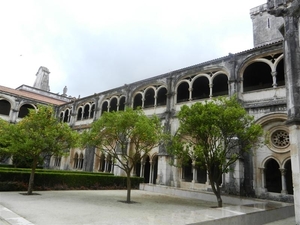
(216, 189)
(128, 200)
(31, 179)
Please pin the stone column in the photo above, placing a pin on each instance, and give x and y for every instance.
(151, 173)
(274, 74)
(283, 181)
(263, 179)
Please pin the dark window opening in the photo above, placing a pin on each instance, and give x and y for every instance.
(61, 116)
(149, 98)
(102, 163)
(4, 107)
(289, 177)
(79, 113)
(257, 76)
(155, 166)
(280, 80)
(183, 93)
(273, 176)
(104, 107)
(66, 116)
(200, 88)
(92, 111)
(86, 111)
(147, 170)
(137, 101)
(113, 105)
(24, 110)
(220, 85)
(161, 97)
(75, 161)
(187, 171)
(122, 103)
(201, 175)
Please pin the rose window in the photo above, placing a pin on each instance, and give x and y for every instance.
(280, 138)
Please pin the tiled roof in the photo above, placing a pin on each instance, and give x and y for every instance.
(31, 96)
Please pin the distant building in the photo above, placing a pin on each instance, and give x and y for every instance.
(255, 75)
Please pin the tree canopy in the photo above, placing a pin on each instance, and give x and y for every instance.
(127, 136)
(214, 134)
(38, 135)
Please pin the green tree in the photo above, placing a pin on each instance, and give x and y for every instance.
(126, 136)
(37, 135)
(214, 134)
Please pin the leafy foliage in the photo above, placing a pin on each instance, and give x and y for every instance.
(38, 135)
(126, 136)
(214, 134)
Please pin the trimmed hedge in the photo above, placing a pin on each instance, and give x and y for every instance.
(17, 180)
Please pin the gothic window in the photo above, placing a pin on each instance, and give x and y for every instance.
(79, 114)
(104, 107)
(187, 171)
(122, 103)
(102, 163)
(273, 176)
(280, 80)
(201, 175)
(24, 110)
(161, 96)
(57, 161)
(80, 161)
(113, 105)
(67, 116)
(75, 161)
(92, 111)
(200, 88)
(288, 177)
(147, 168)
(86, 111)
(149, 98)
(280, 139)
(220, 85)
(61, 116)
(257, 76)
(183, 93)
(4, 107)
(138, 101)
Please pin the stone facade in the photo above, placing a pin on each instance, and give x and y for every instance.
(256, 76)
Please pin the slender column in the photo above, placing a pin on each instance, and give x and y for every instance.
(190, 94)
(142, 169)
(283, 181)
(211, 90)
(151, 173)
(274, 74)
(194, 173)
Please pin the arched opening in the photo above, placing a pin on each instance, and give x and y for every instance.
(122, 103)
(155, 166)
(187, 171)
(183, 93)
(80, 162)
(280, 80)
(109, 163)
(161, 97)
(92, 111)
(147, 170)
(289, 177)
(201, 175)
(137, 101)
(104, 107)
(220, 85)
(61, 116)
(113, 105)
(137, 166)
(4, 107)
(257, 76)
(79, 113)
(273, 176)
(86, 111)
(75, 161)
(24, 110)
(200, 88)
(102, 163)
(66, 116)
(149, 98)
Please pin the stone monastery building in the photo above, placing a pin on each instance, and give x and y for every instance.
(256, 76)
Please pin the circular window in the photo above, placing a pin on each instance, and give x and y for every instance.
(280, 139)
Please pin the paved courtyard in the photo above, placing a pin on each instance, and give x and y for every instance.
(104, 207)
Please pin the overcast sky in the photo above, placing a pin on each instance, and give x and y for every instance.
(93, 46)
